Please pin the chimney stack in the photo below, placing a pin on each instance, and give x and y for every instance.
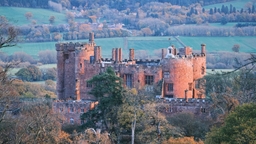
(117, 54)
(203, 50)
(131, 54)
(113, 54)
(91, 37)
(120, 54)
(97, 54)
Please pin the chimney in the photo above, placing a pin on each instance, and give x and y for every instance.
(117, 54)
(163, 53)
(91, 37)
(97, 53)
(120, 54)
(113, 54)
(131, 54)
(203, 50)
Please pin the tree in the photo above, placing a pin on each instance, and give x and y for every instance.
(183, 140)
(28, 15)
(224, 20)
(36, 123)
(236, 48)
(52, 19)
(8, 38)
(31, 73)
(190, 125)
(47, 56)
(8, 34)
(239, 127)
(108, 90)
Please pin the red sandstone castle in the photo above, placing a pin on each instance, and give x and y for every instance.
(178, 70)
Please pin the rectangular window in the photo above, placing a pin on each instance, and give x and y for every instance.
(197, 83)
(149, 80)
(169, 96)
(166, 74)
(71, 121)
(89, 85)
(71, 109)
(203, 70)
(170, 87)
(190, 86)
(82, 110)
(66, 56)
(128, 81)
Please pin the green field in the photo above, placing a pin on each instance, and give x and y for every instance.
(16, 15)
(230, 24)
(247, 44)
(138, 43)
(236, 3)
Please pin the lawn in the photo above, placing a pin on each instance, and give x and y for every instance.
(236, 3)
(16, 15)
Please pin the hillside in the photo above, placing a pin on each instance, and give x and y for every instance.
(16, 15)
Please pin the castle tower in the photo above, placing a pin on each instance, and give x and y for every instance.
(66, 81)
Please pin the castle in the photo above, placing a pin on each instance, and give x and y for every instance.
(179, 71)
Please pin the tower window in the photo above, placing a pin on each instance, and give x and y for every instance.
(149, 80)
(89, 85)
(170, 87)
(197, 85)
(81, 65)
(71, 121)
(202, 70)
(128, 81)
(66, 56)
(189, 86)
(71, 109)
(166, 74)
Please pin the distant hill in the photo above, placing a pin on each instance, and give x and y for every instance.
(16, 15)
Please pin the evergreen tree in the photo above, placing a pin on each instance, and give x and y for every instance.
(234, 9)
(108, 90)
(230, 8)
(215, 9)
(211, 11)
(204, 10)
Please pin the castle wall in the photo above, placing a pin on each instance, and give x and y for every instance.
(71, 110)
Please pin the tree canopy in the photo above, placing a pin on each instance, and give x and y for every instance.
(239, 127)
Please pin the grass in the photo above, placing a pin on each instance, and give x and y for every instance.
(16, 15)
(236, 3)
(247, 44)
(210, 71)
(138, 43)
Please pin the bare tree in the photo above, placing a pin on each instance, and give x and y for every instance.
(8, 34)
